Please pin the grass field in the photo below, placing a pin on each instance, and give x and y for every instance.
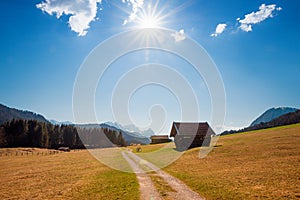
(261, 164)
(70, 175)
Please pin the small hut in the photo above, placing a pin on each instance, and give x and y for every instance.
(66, 149)
(190, 135)
(157, 139)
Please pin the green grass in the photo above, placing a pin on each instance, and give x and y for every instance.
(160, 155)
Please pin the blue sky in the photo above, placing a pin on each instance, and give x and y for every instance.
(41, 55)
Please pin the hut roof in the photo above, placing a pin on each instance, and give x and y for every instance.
(191, 128)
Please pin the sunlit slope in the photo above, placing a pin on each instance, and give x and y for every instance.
(258, 164)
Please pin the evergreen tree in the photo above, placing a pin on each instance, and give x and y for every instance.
(121, 141)
(3, 142)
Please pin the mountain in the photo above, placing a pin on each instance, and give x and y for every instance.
(130, 133)
(114, 124)
(148, 133)
(130, 137)
(132, 129)
(287, 119)
(271, 114)
(54, 122)
(8, 114)
(283, 120)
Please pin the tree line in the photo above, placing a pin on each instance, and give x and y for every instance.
(32, 133)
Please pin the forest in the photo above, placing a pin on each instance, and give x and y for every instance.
(32, 133)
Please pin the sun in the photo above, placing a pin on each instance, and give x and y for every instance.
(148, 22)
(150, 17)
(155, 14)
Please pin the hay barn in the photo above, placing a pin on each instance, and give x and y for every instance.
(157, 139)
(189, 135)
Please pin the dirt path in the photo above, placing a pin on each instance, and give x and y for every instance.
(181, 190)
(147, 189)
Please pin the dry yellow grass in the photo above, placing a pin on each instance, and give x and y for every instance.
(261, 164)
(70, 175)
(256, 165)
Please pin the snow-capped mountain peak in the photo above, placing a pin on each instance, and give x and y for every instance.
(132, 128)
(272, 113)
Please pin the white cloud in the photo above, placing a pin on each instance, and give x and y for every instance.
(219, 29)
(135, 6)
(246, 27)
(81, 12)
(265, 12)
(179, 35)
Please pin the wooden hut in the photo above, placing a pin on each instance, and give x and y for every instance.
(157, 139)
(190, 135)
(66, 149)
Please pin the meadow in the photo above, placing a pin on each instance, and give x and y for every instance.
(68, 175)
(262, 164)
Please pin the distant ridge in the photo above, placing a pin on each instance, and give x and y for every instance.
(54, 122)
(287, 119)
(271, 114)
(132, 129)
(130, 137)
(8, 114)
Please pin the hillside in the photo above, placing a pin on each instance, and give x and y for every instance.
(271, 114)
(261, 164)
(8, 114)
(129, 137)
(287, 119)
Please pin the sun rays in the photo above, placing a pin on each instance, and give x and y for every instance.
(150, 17)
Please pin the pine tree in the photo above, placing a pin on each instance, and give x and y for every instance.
(121, 141)
(3, 142)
